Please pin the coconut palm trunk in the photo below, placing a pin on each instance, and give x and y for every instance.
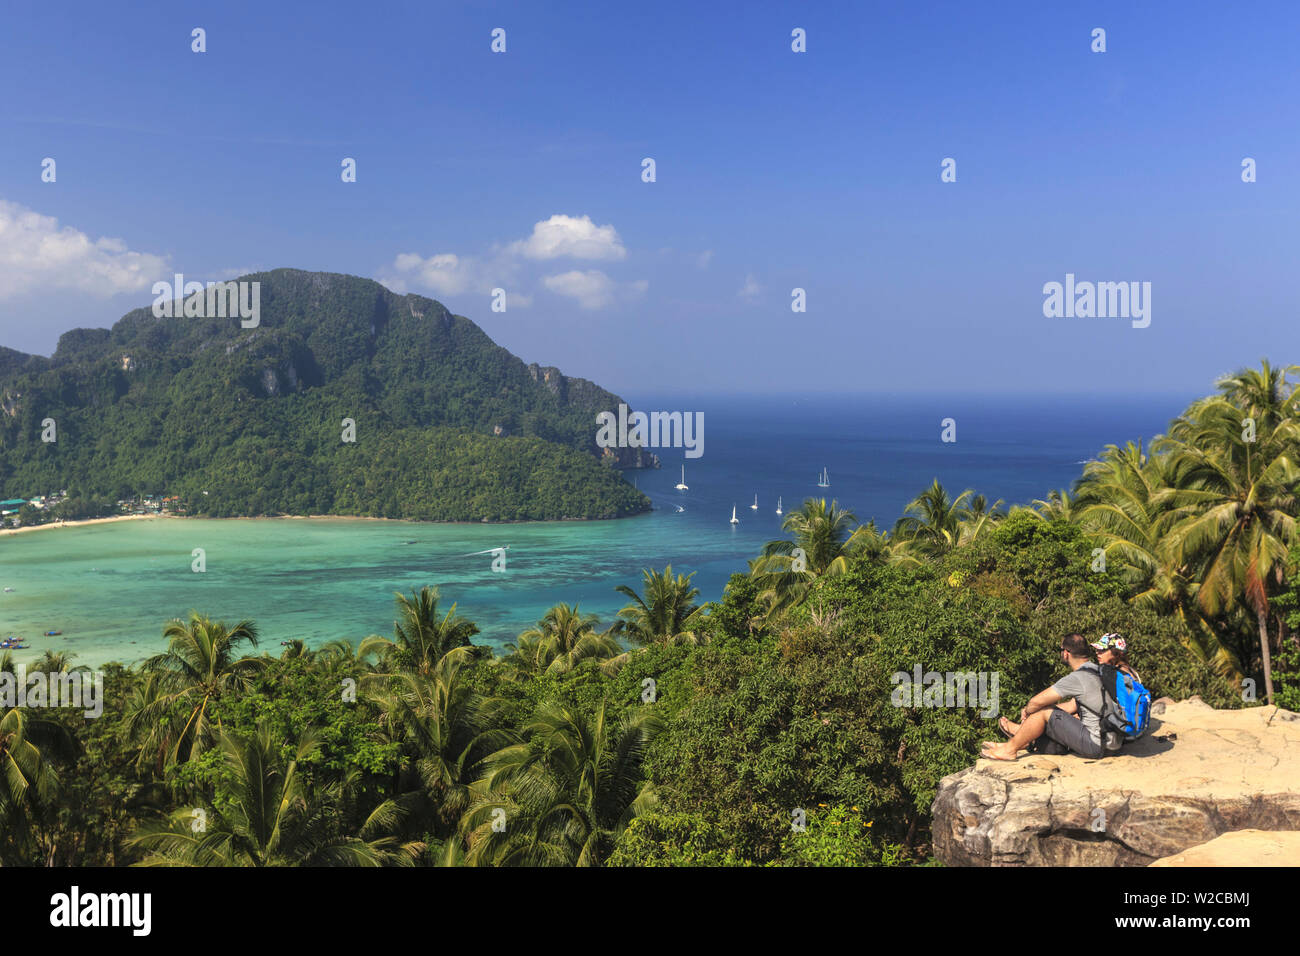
(1261, 615)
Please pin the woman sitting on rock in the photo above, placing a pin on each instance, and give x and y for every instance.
(1113, 650)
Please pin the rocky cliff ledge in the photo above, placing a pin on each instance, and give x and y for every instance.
(1242, 848)
(1198, 773)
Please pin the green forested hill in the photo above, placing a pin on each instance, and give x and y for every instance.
(449, 425)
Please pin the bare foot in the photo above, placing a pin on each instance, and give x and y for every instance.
(993, 750)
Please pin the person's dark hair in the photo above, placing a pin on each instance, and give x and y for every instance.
(1076, 645)
(1118, 656)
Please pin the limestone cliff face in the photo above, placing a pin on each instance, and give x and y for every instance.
(1197, 774)
(585, 394)
(554, 380)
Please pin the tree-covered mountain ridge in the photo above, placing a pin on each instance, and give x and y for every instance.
(248, 421)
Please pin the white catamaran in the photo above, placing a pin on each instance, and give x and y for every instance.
(734, 519)
(754, 506)
(681, 486)
(778, 504)
(824, 481)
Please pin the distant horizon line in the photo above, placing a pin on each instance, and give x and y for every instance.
(1179, 394)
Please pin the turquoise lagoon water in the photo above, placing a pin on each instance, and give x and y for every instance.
(111, 587)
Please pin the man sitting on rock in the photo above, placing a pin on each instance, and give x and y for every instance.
(1074, 725)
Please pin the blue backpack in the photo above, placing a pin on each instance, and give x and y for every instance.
(1127, 703)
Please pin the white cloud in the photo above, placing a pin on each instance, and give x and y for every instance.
(751, 290)
(562, 236)
(593, 289)
(36, 255)
(444, 274)
(704, 258)
(449, 274)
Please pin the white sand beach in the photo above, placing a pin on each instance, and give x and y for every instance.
(80, 524)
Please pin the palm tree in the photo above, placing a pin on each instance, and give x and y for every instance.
(530, 654)
(932, 523)
(446, 726)
(341, 659)
(295, 649)
(340, 650)
(1123, 502)
(57, 662)
(561, 640)
(1264, 394)
(146, 723)
(172, 711)
(420, 637)
(27, 785)
(564, 795)
(665, 613)
(1058, 506)
(268, 817)
(979, 519)
(1234, 501)
(824, 538)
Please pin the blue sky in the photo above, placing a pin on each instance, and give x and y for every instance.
(775, 170)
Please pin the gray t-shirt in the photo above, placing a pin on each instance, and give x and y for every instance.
(1084, 685)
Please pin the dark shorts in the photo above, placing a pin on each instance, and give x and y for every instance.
(1068, 731)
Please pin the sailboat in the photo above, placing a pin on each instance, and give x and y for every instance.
(734, 519)
(682, 485)
(824, 481)
(778, 504)
(754, 506)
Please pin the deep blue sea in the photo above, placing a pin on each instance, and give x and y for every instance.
(881, 451)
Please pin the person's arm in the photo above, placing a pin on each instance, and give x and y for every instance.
(1040, 701)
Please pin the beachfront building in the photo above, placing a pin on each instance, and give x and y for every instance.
(11, 506)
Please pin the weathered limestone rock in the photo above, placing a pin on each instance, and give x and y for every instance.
(1198, 773)
(1242, 848)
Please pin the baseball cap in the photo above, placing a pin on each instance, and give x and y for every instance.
(1111, 642)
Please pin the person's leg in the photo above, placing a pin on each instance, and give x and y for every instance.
(1009, 726)
(1033, 727)
(1069, 732)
